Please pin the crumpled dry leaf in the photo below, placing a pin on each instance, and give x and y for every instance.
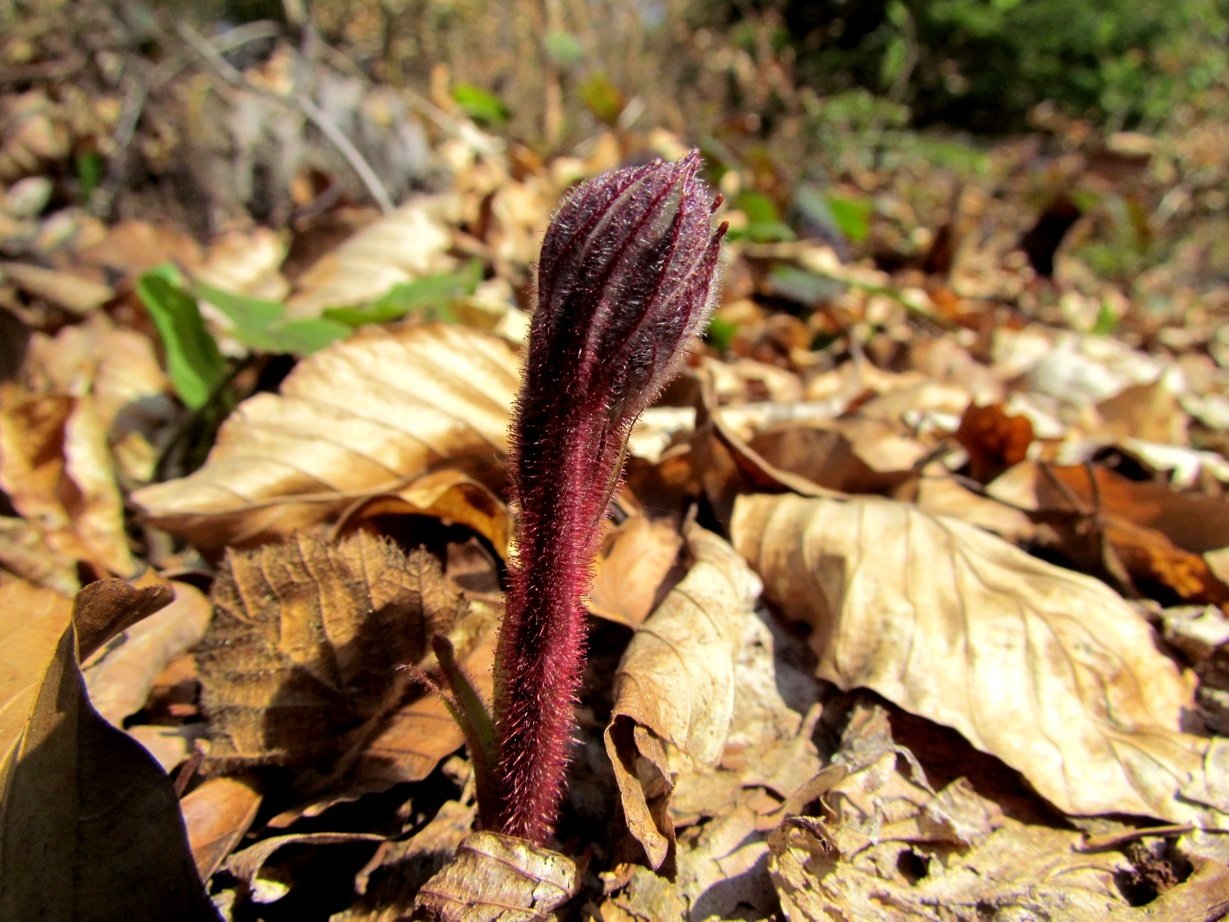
(364, 417)
(502, 878)
(1143, 536)
(1044, 668)
(994, 439)
(888, 845)
(79, 797)
(674, 691)
(308, 648)
(56, 470)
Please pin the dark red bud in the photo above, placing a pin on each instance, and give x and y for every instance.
(626, 276)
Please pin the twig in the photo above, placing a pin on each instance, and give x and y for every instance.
(304, 105)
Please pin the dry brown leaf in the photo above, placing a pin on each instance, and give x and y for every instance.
(994, 439)
(309, 646)
(451, 496)
(364, 417)
(246, 865)
(634, 561)
(217, 815)
(417, 737)
(675, 687)
(850, 455)
(887, 845)
(108, 607)
(1143, 535)
(57, 471)
(119, 676)
(70, 292)
(502, 878)
(81, 799)
(1044, 668)
(392, 879)
(24, 552)
(1195, 523)
(408, 243)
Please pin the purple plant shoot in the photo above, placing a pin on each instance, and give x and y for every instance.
(627, 275)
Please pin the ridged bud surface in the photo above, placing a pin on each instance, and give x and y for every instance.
(626, 277)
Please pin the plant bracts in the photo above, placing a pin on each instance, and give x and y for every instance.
(626, 277)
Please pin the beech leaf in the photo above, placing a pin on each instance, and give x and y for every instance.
(675, 687)
(308, 648)
(363, 417)
(1044, 668)
(495, 877)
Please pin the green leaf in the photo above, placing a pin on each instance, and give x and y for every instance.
(804, 287)
(602, 98)
(720, 334)
(194, 362)
(852, 216)
(263, 325)
(480, 105)
(764, 224)
(563, 48)
(431, 296)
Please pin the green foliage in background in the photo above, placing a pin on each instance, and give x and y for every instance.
(985, 64)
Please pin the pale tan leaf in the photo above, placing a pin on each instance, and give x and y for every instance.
(217, 815)
(364, 417)
(502, 878)
(120, 675)
(675, 687)
(24, 552)
(309, 646)
(408, 243)
(634, 560)
(56, 469)
(246, 264)
(120, 371)
(1047, 669)
(73, 293)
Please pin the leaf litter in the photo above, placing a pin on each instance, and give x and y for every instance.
(986, 677)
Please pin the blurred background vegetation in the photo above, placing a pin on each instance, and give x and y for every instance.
(864, 116)
(547, 70)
